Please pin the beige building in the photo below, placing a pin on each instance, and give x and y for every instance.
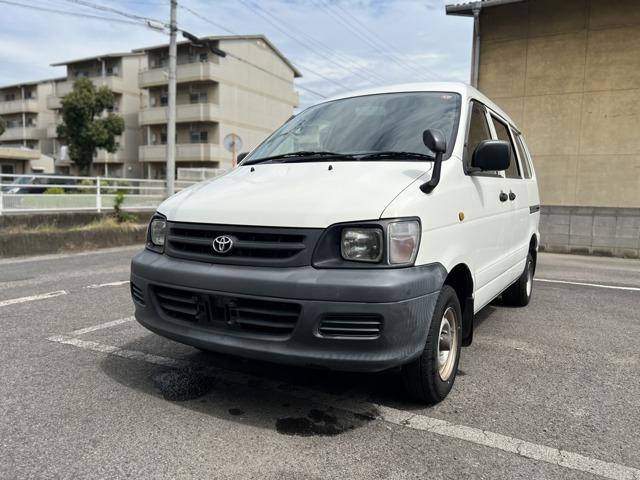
(24, 109)
(249, 93)
(568, 73)
(119, 72)
(215, 97)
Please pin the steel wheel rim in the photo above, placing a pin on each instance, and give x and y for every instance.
(447, 343)
(529, 280)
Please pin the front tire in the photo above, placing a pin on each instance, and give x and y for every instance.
(430, 377)
(519, 294)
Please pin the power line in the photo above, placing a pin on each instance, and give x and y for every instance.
(73, 14)
(258, 10)
(362, 33)
(105, 8)
(211, 22)
(316, 44)
(307, 70)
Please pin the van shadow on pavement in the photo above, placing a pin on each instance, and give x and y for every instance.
(195, 387)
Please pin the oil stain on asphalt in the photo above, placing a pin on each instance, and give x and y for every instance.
(317, 422)
(182, 385)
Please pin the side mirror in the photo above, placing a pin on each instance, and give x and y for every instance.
(493, 155)
(241, 156)
(435, 141)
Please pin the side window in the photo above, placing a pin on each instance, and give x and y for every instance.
(502, 131)
(478, 130)
(524, 160)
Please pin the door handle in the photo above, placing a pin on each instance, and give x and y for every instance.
(512, 196)
(503, 197)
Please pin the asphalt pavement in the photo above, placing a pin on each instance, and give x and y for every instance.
(550, 391)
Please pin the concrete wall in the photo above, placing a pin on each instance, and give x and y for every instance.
(568, 72)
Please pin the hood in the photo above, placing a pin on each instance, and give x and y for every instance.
(308, 195)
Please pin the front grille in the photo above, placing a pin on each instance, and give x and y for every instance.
(286, 247)
(136, 294)
(352, 325)
(266, 317)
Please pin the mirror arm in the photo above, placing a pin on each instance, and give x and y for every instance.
(432, 183)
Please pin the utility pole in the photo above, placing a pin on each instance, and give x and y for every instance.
(171, 105)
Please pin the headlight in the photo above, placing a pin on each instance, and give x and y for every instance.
(157, 234)
(361, 244)
(404, 239)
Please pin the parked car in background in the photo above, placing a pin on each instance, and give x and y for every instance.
(363, 234)
(25, 184)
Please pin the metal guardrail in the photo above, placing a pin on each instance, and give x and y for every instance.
(58, 193)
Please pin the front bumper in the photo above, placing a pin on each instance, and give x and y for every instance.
(404, 300)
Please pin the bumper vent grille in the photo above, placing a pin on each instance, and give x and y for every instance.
(181, 304)
(251, 245)
(351, 325)
(263, 317)
(136, 294)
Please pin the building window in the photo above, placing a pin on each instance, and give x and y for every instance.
(9, 97)
(502, 131)
(163, 138)
(203, 57)
(200, 136)
(198, 97)
(30, 95)
(8, 169)
(164, 99)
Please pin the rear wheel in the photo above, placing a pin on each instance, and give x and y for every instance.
(430, 377)
(519, 294)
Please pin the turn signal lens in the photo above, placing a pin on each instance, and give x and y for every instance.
(362, 244)
(404, 239)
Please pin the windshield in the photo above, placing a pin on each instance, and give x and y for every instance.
(391, 122)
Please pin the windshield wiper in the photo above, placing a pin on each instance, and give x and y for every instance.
(301, 156)
(395, 155)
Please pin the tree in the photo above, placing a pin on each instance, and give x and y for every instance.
(84, 126)
(3, 125)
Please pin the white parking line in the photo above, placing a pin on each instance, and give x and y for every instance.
(109, 284)
(523, 448)
(583, 284)
(102, 326)
(31, 298)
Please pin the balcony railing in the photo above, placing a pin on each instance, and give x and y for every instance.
(191, 112)
(186, 152)
(189, 72)
(114, 83)
(21, 133)
(19, 106)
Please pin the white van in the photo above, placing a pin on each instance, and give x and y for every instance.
(363, 234)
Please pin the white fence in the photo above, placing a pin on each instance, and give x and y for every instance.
(55, 193)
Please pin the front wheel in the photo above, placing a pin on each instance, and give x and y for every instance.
(430, 377)
(519, 294)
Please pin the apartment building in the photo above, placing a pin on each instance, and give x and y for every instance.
(24, 109)
(119, 72)
(249, 93)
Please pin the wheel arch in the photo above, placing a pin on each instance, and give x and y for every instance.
(460, 279)
(533, 250)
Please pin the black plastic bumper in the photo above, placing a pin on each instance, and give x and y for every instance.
(404, 298)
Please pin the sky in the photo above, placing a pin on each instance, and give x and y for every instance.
(338, 45)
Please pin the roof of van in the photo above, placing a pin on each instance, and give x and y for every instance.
(465, 90)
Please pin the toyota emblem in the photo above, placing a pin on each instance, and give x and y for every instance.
(222, 244)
